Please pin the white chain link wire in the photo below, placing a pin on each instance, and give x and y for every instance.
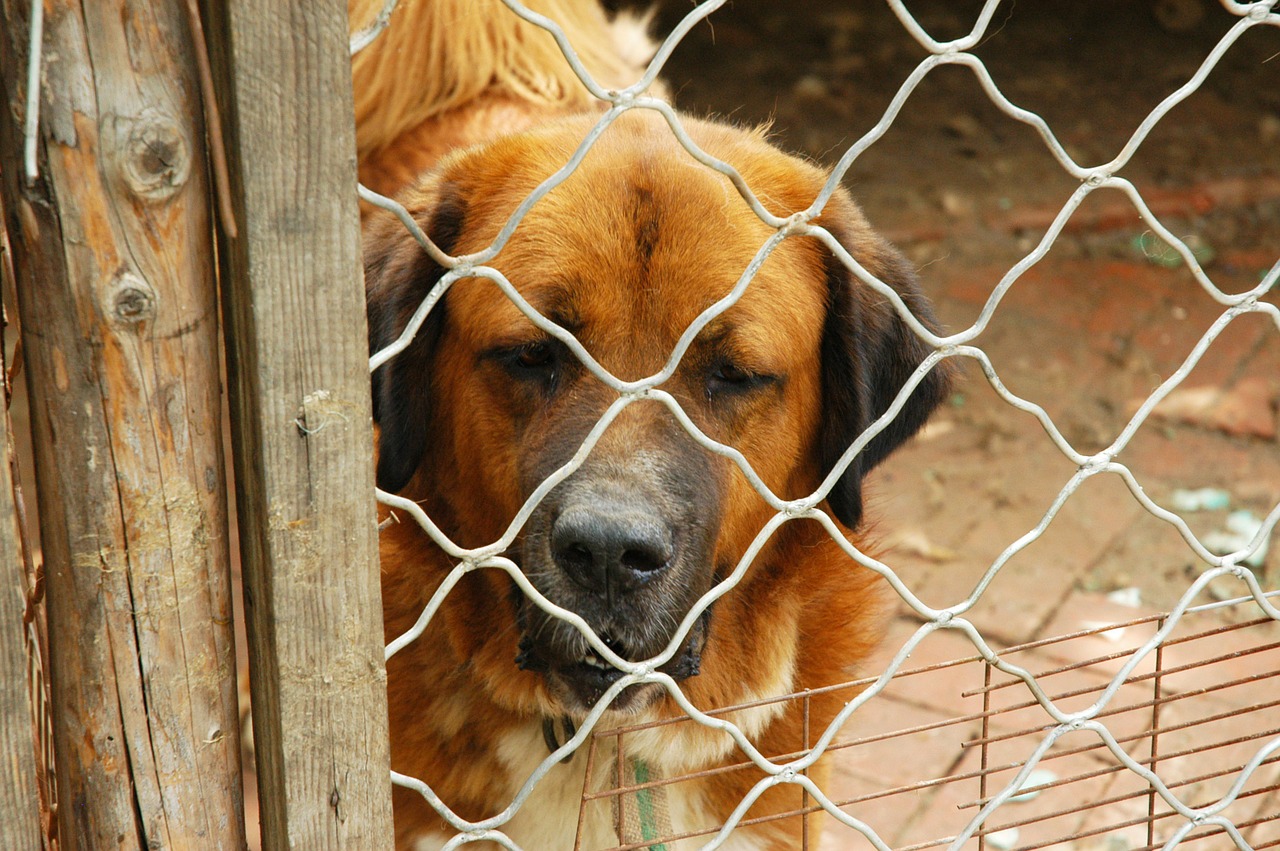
(31, 119)
(363, 38)
(951, 346)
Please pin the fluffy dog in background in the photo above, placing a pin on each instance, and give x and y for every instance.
(483, 405)
(451, 73)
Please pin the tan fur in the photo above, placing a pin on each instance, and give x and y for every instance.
(803, 616)
(448, 73)
(803, 606)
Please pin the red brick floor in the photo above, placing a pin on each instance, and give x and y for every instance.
(1088, 341)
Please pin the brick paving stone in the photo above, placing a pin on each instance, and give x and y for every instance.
(1108, 210)
(940, 812)
(1087, 781)
(906, 757)
(1016, 713)
(939, 689)
(1124, 818)
(1206, 737)
(970, 287)
(1267, 832)
(956, 690)
(1032, 584)
(1192, 458)
(1229, 657)
(1248, 408)
(1153, 557)
(1085, 610)
(1232, 352)
(922, 756)
(895, 763)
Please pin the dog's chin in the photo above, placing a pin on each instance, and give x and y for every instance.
(576, 686)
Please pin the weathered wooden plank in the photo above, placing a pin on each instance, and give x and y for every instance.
(297, 358)
(114, 262)
(19, 798)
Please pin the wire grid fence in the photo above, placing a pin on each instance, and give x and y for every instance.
(1190, 709)
(999, 785)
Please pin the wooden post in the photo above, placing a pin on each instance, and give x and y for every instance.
(297, 356)
(19, 799)
(114, 265)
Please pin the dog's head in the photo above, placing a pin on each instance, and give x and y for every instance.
(626, 254)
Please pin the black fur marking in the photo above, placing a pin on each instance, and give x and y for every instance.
(397, 282)
(866, 359)
(646, 215)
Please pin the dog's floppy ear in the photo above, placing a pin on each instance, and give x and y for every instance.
(868, 353)
(398, 274)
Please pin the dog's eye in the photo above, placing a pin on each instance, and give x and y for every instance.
(727, 377)
(538, 361)
(535, 356)
(727, 373)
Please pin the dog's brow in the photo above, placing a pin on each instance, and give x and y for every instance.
(719, 336)
(717, 331)
(558, 304)
(724, 338)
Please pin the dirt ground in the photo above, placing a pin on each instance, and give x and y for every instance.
(1088, 333)
(966, 192)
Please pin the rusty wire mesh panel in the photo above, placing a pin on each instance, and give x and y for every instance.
(1141, 741)
(1196, 712)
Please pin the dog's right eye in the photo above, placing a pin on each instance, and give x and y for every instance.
(535, 356)
(537, 361)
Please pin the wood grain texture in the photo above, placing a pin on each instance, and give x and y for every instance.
(302, 429)
(114, 264)
(19, 796)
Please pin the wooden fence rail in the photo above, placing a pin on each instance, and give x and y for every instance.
(114, 256)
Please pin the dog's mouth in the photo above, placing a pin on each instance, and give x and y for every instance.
(582, 678)
(588, 680)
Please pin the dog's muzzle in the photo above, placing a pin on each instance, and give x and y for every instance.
(631, 561)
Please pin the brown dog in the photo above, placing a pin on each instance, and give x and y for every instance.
(484, 405)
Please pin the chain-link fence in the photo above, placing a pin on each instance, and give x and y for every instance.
(1014, 779)
(1172, 709)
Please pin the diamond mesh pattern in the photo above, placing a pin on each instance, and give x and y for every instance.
(1092, 178)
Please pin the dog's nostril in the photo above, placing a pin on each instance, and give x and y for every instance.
(576, 558)
(645, 560)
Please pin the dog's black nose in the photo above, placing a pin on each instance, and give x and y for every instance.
(607, 547)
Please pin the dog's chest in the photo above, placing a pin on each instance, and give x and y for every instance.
(550, 818)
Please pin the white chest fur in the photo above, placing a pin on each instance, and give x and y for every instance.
(549, 818)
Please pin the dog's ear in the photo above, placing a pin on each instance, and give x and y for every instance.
(868, 353)
(398, 274)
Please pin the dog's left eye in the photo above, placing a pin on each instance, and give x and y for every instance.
(728, 373)
(727, 377)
